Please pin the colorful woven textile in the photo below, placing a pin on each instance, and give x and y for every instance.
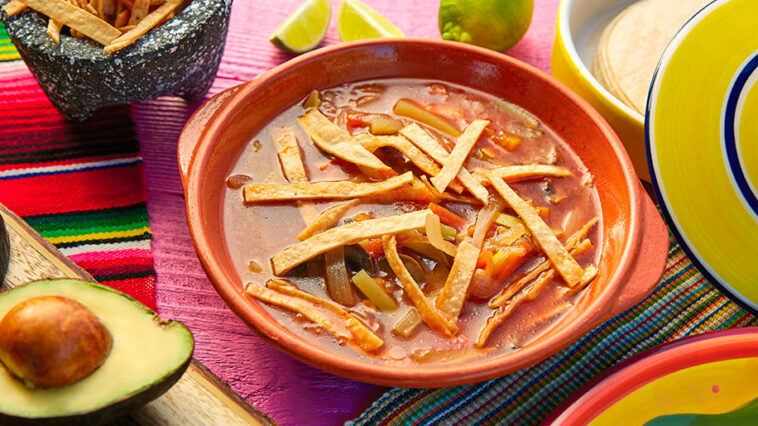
(683, 304)
(7, 51)
(80, 185)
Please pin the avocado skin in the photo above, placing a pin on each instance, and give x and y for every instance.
(5, 250)
(119, 407)
(108, 413)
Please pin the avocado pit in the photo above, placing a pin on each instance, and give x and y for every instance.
(52, 341)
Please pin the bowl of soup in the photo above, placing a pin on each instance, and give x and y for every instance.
(416, 213)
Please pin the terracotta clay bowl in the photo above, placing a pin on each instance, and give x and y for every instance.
(635, 239)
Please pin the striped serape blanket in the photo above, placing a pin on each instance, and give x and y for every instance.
(80, 185)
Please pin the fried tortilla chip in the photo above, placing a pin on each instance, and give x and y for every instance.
(421, 160)
(576, 245)
(14, 8)
(459, 154)
(310, 310)
(497, 318)
(419, 137)
(307, 309)
(139, 11)
(338, 142)
(565, 264)
(450, 300)
(486, 217)
(431, 316)
(448, 196)
(54, 30)
(530, 292)
(338, 190)
(145, 25)
(345, 235)
(327, 219)
(363, 336)
(292, 167)
(75, 18)
(289, 154)
(521, 172)
(434, 234)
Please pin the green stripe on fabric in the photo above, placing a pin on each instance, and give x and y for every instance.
(7, 50)
(683, 304)
(81, 225)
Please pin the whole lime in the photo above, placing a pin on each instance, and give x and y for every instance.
(494, 24)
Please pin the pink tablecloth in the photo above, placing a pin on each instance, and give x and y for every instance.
(287, 390)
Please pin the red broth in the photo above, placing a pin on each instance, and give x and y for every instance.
(256, 232)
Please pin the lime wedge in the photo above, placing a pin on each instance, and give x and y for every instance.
(305, 28)
(356, 21)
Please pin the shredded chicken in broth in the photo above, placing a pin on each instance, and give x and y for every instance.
(412, 222)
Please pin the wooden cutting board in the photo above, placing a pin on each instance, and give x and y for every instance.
(198, 398)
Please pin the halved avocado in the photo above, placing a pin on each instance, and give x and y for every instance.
(148, 355)
(5, 250)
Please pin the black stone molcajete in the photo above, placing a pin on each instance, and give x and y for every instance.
(180, 57)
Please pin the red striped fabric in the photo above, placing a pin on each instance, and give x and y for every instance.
(79, 184)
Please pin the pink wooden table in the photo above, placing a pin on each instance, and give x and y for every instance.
(289, 391)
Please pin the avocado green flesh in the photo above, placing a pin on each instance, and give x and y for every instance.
(144, 351)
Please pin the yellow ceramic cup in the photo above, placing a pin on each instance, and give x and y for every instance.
(580, 23)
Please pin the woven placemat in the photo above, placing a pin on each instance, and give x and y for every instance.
(683, 304)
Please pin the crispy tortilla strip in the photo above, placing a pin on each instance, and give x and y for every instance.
(431, 316)
(450, 301)
(485, 217)
(498, 317)
(338, 142)
(434, 234)
(327, 219)
(529, 293)
(75, 18)
(109, 8)
(292, 167)
(289, 155)
(14, 8)
(521, 172)
(448, 196)
(139, 11)
(54, 30)
(122, 15)
(421, 160)
(145, 25)
(419, 137)
(590, 273)
(543, 235)
(338, 190)
(307, 309)
(576, 245)
(459, 154)
(311, 311)
(364, 337)
(416, 191)
(345, 235)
